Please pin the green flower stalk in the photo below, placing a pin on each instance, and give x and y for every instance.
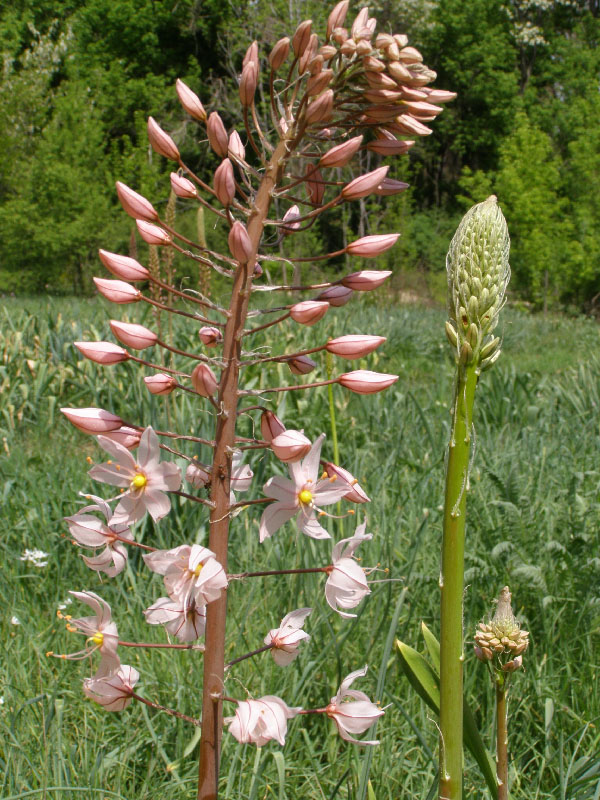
(478, 273)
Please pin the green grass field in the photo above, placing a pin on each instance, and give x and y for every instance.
(533, 523)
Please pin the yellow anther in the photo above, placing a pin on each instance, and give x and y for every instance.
(97, 638)
(333, 478)
(324, 475)
(322, 514)
(89, 459)
(49, 653)
(198, 570)
(109, 461)
(354, 482)
(67, 616)
(305, 497)
(59, 613)
(351, 511)
(139, 481)
(118, 467)
(71, 628)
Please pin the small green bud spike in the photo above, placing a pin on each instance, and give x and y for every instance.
(478, 274)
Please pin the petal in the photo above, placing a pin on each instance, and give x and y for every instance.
(281, 489)
(307, 523)
(274, 516)
(157, 503)
(109, 473)
(148, 450)
(166, 476)
(310, 464)
(120, 454)
(295, 619)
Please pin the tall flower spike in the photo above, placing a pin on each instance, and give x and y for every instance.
(478, 274)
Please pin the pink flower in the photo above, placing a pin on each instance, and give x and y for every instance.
(185, 621)
(104, 353)
(285, 640)
(133, 335)
(92, 420)
(290, 446)
(290, 215)
(197, 475)
(366, 279)
(145, 479)
(241, 476)
(352, 711)
(123, 266)
(363, 381)
(259, 721)
(354, 345)
(355, 493)
(371, 246)
(389, 147)
(190, 101)
(112, 692)
(347, 583)
(301, 497)
(236, 147)
(161, 142)
(191, 572)
(101, 633)
(90, 531)
(308, 312)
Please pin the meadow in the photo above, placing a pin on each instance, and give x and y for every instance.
(532, 524)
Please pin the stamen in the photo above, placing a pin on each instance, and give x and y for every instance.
(333, 478)
(198, 570)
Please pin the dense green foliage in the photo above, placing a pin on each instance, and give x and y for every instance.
(533, 512)
(80, 77)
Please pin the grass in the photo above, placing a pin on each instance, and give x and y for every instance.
(533, 511)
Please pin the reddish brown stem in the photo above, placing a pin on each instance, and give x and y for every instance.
(248, 655)
(255, 392)
(265, 574)
(169, 711)
(199, 647)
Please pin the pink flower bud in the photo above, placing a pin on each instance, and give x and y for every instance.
(382, 96)
(133, 335)
(371, 246)
(239, 243)
(317, 83)
(190, 101)
(336, 295)
(364, 184)
(134, 204)
(355, 492)
(160, 383)
(328, 51)
(308, 54)
(279, 53)
(248, 83)
(210, 336)
(315, 185)
(363, 381)
(319, 110)
(408, 124)
(258, 270)
(340, 35)
(410, 93)
(270, 426)
(301, 365)
(389, 186)
(204, 380)
(440, 95)
(301, 37)
(290, 446)
(359, 23)
(152, 233)
(117, 291)
(291, 214)
(128, 437)
(251, 56)
(389, 147)
(366, 279)
(308, 311)
(183, 187)
(512, 666)
(236, 148)
(354, 346)
(92, 420)
(161, 142)
(217, 135)
(224, 183)
(410, 55)
(421, 109)
(197, 475)
(341, 154)
(123, 266)
(337, 17)
(105, 353)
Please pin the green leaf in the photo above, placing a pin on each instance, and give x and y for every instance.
(421, 676)
(433, 647)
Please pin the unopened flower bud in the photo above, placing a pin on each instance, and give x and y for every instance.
(290, 446)
(308, 312)
(152, 233)
(364, 184)
(197, 475)
(224, 183)
(160, 383)
(134, 204)
(327, 51)
(366, 280)
(389, 186)
(317, 83)
(92, 420)
(209, 336)
(341, 154)
(161, 142)
(348, 47)
(301, 365)
(354, 345)
(336, 296)
(183, 187)
(117, 291)
(355, 492)
(190, 101)
(319, 110)
(270, 426)
(133, 335)
(371, 246)
(440, 96)
(315, 185)
(288, 218)
(337, 16)
(248, 83)
(359, 22)
(301, 37)
(308, 54)
(236, 148)
(410, 55)
(239, 242)
(363, 381)
(204, 380)
(279, 53)
(408, 124)
(217, 135)
(123, 266)
(251, 56)
(128, 437)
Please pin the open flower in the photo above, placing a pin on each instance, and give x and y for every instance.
(191, 573)
(347, 583)
(285, 640)
(90, 531)
(300, 497)
(241, 476)
(259, 721)
(112, 692)
(185, 621)
(144, 477)
(101, 632)
(352, 711)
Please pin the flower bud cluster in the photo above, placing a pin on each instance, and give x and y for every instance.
(501, 641)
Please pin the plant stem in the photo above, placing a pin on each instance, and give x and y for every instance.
(452, 585)
(501, 738)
